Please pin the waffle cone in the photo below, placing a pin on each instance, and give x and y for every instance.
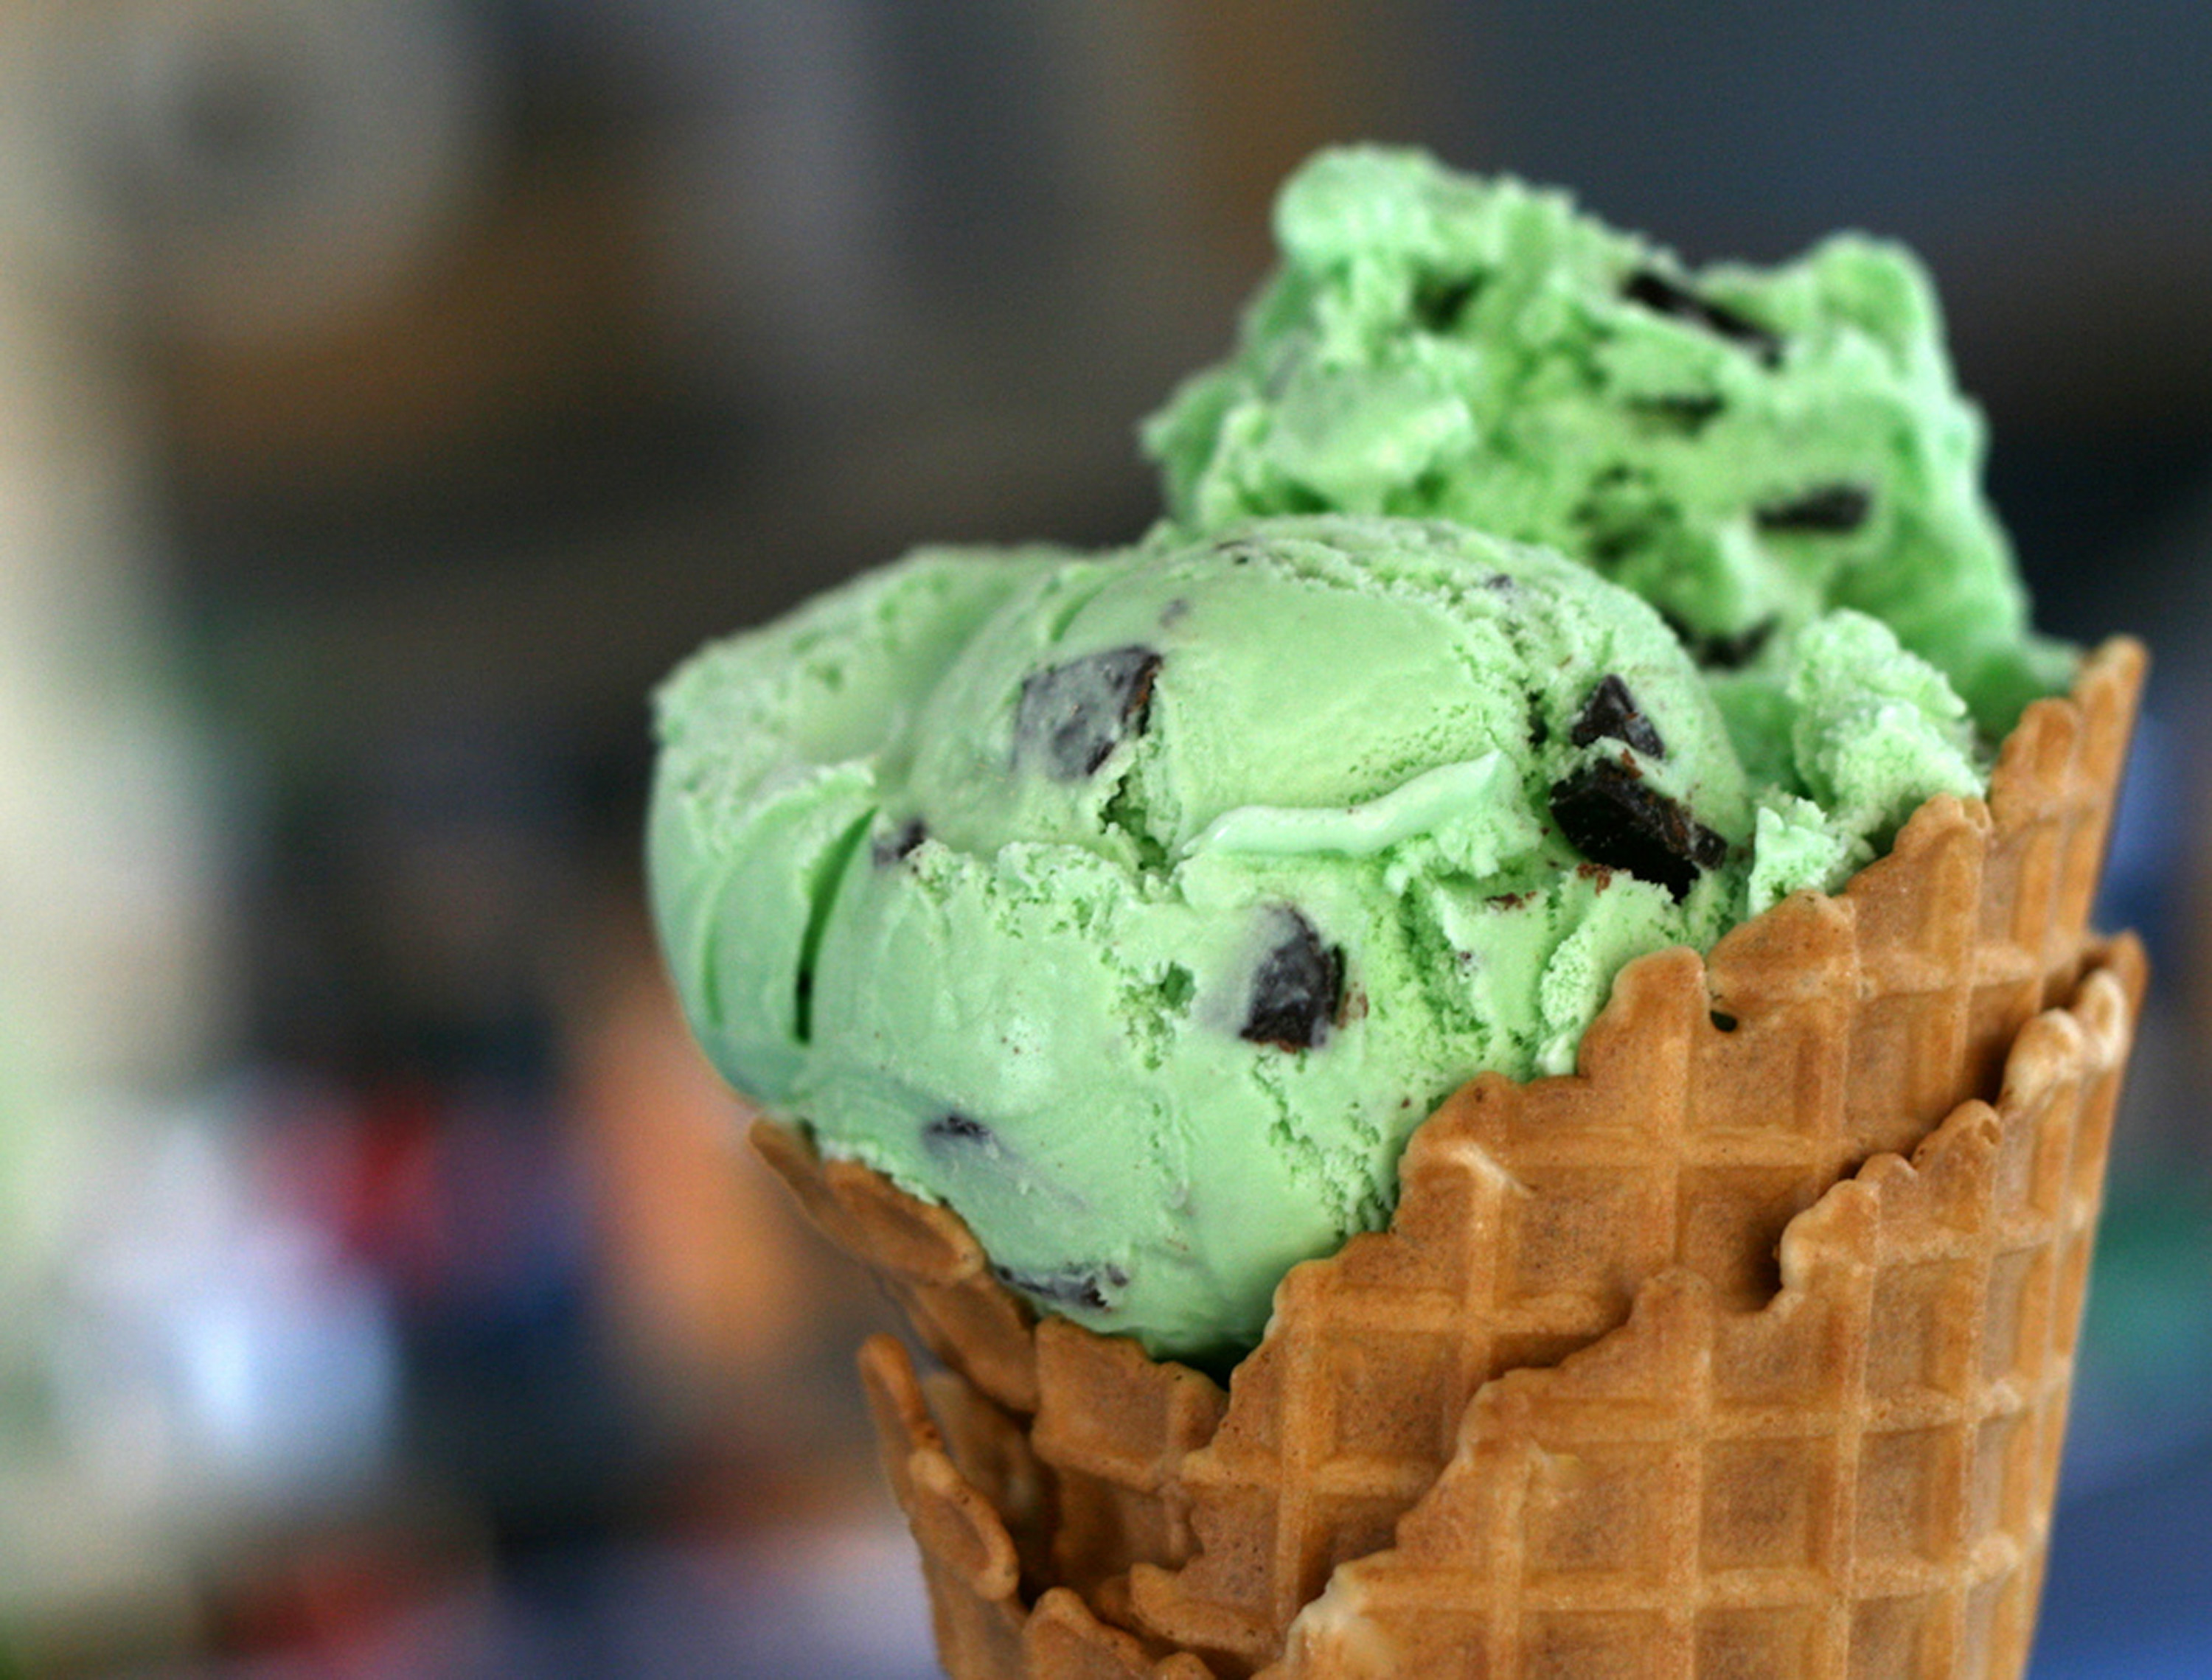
(1674, 1366)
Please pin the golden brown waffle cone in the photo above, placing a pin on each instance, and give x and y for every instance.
(1854, 1479)
(1716, 1099)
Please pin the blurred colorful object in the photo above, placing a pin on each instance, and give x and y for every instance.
(388, 391)
(111, 934)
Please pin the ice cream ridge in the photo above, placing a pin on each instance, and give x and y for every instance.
(1527, 603)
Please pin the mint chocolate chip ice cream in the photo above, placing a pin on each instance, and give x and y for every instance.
(1139, 906)
(1528, 603)
(1746, 448)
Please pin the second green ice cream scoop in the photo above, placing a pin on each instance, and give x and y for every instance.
(1746, 448)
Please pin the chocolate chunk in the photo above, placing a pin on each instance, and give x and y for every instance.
(1662, 296)
(1440, 300)
(1606, 812)
(1835, 510)
(891, 848)
(1296, 989)
(1723, 1021)
(1608, 548)
(1073, 716)
(1688, 412)
(1081, 1287)
(954, 1130)
(1611, 711)
(1720, 650)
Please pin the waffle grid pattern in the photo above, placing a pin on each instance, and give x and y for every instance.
(1855, 1479)
(1118, 1457)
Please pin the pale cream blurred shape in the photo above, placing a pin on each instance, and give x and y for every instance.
(111, 936)
(111, 927)
(125, 218)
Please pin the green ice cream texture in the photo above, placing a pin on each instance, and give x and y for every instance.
(1745, 448)
(1138, 905)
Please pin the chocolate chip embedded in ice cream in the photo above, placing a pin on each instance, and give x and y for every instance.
(1611, 713)
(953, 1131)
(1296, 989)
(1663, 296)
(1688, 412)
(1072, 716)
(1440, 300)
(899, 844)
(1608, 813)
(1719, 650)
(1832, 510)
(1079, 1288)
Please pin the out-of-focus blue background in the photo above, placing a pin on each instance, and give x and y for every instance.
(392, 390)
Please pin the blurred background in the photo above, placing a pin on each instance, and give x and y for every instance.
(391, 390)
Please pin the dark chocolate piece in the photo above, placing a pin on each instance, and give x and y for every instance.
(1618, 517)
(1607, 812)
(1688, 412)
(1662, 296)
(1723, 1021)
(1607, 548)
(1296, 989)
(1083, 1287)
(1832, 510)
(1073, 716)
(898, 845)
(1611, 711)
(957, 1128)
(1720, 650)
(1440, 300)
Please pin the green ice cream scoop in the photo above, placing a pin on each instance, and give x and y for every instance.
(1745, 448)
(1138, 907)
